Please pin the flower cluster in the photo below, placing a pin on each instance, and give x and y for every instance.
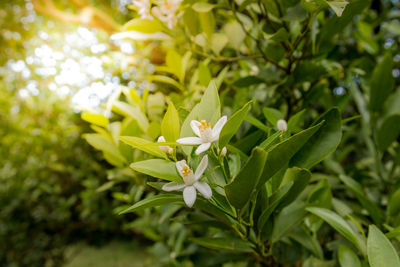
(165, 10)
(206, 135)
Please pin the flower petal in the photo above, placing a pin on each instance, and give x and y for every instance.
(189, 195)
(204, 189)
(202, 148)
(195, 127)
(201, 168)
(179, 166)
(173, 186)
(218, 127)
(161, 139)
(189, 141)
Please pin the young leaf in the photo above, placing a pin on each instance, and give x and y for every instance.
(347, 257)
(153, 201)
(239, 191)
(340, 225)
(96, 119)
(131, 111)
(380, 250)
(170, 125)
(158, 168)
(142, 144)
(381, 83)
(101, 143)
(143, 25)
(322, 143)
(209, 106)
(232, 125)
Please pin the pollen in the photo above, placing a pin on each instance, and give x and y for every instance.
(186, 171)
(203, 126)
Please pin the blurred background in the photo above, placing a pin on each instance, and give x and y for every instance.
(57, 60)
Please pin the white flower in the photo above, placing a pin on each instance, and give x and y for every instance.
(206, 134)
(281, 125)
(191, 182)
(223, 151)
(165, 149)
(143, 8)
(166, 11)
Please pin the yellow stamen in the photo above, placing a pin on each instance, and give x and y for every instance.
(203, 126)
(186, 171)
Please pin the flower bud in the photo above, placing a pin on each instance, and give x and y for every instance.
(165, 149)
(281, 125)
(223, 151)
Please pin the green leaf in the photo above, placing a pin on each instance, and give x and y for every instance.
(158, 168)
(170, 126)
(142, 144)
(321, 195)
(322, 143)
(248, 81)
(274, 200)
(223, 243)
(295, 121)
(338, 6)
(143, 25)
(381, 83)
(388, 131)
(204, 74)
(300, 177)
(209, 106)
(203, 7)
(235, 34)
(101, 143)
(96, 119)
(279, 155)
(367, 203)
(287, 219)
(340, 225)
(218, 42)
(394, 203)
(381, 252)
(174, 62)
(153, 201)
(240, 190)
(279, 36)
(166, 80)
(233, 124)
(257, 123)
(271, 140)
(347, 257)
(272, 115)
(133, 112)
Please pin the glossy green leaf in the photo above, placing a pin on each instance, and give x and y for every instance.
(142, 144)
(347, 257)
(300, 177)
(170, 125)
(287, 219)
(232, 125)
(240, 190)
(143, 25)
(174, 62)
(340, 225)
(388, 131)
(209, 106)
(280, 154)
(381, 252)
(381, 83)
(153, 201)
(203, 7)
(158, 168)
(394, 203)
(322, 143)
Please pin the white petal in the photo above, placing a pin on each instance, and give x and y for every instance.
(202, 148)
(180, 165)
(173, 186)
(161, 139)
(189, 195)
(218, 127)
(189, 141)
(201, 168)
(204, 189)
(195, 127)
